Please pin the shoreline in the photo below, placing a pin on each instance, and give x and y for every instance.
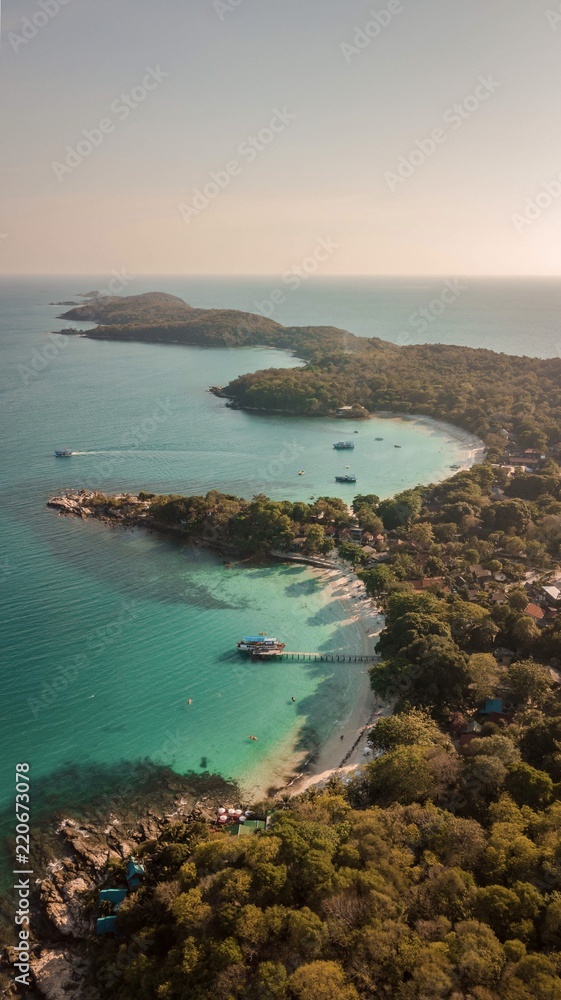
(473, 446)
(343, 749)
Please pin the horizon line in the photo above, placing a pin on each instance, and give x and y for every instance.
(275, 275)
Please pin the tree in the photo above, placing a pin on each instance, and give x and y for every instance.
(447, 892)
(517, 598)
(529, 683)
(484, 675)
(271, 981)
(421, 534)
(528, 786)
(414, 728)
(362, 501)
(378, 580)
(499, 747)
(262, 526)
(476, 953)
(321, 981)
(190, 911)
(510, 912)
(512, 516)
(410, 774)
(332, 510)
(482, 780)
(316, 541)
(351, 552)
(400, 510)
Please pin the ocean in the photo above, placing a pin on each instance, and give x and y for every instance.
(106, 634)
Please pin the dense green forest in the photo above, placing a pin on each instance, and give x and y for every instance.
(480, 391)
(436, 874)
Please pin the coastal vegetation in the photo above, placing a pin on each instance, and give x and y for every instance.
(435, 872)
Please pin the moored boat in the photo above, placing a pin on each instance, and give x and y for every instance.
(260, 644)
(345, 479)
(344, 445)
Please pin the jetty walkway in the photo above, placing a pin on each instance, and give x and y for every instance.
(326, 657)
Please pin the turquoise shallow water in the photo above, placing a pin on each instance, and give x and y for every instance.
(105, 634)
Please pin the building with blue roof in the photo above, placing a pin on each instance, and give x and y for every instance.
(135, 873)
(106, 925)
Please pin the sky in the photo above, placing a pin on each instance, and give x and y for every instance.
(241, 136)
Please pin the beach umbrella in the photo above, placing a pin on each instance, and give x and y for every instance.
(237, 812)
(221, 811)
(222, 819)
(242, 818)
(231, 812)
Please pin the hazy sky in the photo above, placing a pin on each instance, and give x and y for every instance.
(347, 110)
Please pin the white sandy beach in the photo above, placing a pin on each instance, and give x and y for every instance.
(344, 749)
(472, 446)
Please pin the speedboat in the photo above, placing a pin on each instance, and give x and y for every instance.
(63, 453)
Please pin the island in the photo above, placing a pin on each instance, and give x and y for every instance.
(433, 868)
(512, 403)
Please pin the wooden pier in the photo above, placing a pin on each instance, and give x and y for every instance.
(325, 657)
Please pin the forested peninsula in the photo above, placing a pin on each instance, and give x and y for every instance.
(498, 397)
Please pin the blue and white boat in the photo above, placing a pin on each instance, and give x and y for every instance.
(64, 453)
(256, 644)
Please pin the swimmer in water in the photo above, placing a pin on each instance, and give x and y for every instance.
(189, 701)
(293, 698)
(252, 738)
